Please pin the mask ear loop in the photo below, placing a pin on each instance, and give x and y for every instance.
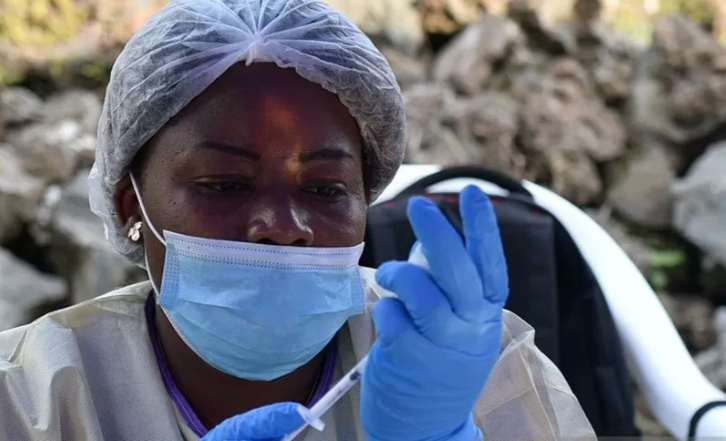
(143, 210)
(153, 230)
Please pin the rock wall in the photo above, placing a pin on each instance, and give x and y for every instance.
(55, 250)
(634, 134)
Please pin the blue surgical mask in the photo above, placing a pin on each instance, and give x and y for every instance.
(254, 311)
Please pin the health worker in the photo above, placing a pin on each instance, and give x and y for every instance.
(240, 146)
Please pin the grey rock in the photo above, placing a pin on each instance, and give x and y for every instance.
(612, 76)
(20, 194)
(428, 140)
(638, 251)
(565, 129)
(52, 151)
(388, 22)
(540, 35)
(409, 70)
(587, 10)
(700, 203)
(523, 74)
(564, 112)
(20, 106)
(447, 17)
(572, 174)
(44, 215)
(713, 280)
(642, 194)
(428, 102)
(443, 129)
(567, 80)
(487, 125)
(468, 61)
(712, 361)
(650, 427)
(679, 88)
(439, 144)
(78, 250)
(3, 122)
(81, 107)
(77, 105)
(693, 317)
(609, 57)
(23, 289)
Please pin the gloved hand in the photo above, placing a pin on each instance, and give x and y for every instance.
(265, 423)
(439, 340)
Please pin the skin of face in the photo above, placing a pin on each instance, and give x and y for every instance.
(262, 156)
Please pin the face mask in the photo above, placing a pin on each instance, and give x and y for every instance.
(256, 312)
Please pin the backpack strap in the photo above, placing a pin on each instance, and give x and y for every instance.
(465, 171)
(698, 416)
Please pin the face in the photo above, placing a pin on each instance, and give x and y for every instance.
(261, 156)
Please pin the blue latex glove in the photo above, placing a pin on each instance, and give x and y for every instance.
(266, 423)
(438, 342)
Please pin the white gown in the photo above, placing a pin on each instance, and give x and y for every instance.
(89, 373)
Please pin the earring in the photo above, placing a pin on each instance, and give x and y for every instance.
(135, 232)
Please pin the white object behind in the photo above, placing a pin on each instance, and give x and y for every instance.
(671, 382)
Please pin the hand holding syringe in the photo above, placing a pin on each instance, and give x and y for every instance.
(313, 415)
(439, 341)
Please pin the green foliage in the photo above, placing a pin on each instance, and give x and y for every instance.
(663, 264)
(700, 11)
(9, 77)
(40, 22)
(668, 258)
(630, 17)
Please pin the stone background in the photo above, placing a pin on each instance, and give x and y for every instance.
(632, 128)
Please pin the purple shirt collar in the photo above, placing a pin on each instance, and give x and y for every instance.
(185, 409)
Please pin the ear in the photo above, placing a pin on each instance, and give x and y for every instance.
(126, 204)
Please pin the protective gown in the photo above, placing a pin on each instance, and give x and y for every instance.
(89, 373)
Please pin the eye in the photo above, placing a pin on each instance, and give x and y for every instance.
(327, 192)
(222, 186)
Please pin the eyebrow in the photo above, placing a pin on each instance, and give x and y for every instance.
(316, 155)
(231, 149)
(325, 154)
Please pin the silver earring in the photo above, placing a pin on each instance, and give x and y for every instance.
(135, 232)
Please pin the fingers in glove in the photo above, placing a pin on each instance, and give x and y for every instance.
(424, 301)
(484, 243)
(391, 320)
(450, 263)
(268, 422)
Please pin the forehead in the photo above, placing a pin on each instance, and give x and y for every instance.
(265, 107)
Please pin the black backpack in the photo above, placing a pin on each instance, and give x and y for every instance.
(551, 287)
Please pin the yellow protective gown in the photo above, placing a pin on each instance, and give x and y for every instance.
(89, 373)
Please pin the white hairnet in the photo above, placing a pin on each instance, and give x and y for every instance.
(187, 45)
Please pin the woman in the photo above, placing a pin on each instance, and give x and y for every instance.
(240, 144)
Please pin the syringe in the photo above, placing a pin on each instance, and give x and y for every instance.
(312, 416)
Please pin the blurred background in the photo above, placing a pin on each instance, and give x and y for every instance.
(618, 105)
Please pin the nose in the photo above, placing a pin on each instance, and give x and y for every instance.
(277, 221)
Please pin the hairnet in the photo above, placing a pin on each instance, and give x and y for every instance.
(187, 45)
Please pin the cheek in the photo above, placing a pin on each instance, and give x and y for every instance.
(342, 226)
